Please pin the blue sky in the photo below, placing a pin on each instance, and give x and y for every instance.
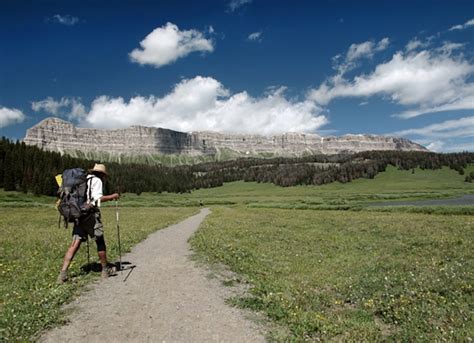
(331, 67)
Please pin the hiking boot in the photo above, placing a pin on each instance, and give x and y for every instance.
(108, 271)
(62, 277)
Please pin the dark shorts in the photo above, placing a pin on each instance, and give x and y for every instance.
(89, 225)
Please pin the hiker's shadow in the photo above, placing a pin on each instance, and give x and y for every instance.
(124, 265)
(91, 267)
(97, 267)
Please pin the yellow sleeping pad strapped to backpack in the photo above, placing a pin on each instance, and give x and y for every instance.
(59, 180)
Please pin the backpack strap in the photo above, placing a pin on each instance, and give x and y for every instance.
(89, 190)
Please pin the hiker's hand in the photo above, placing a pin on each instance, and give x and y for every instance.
(115, 196)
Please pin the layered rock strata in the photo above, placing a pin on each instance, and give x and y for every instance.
(54, 134)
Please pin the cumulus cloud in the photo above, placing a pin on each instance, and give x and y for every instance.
(429, 80)
(66, 19)
(204, 104)
(463, 100)
(49, 105)
(464, 26)
(449, 47)
(445, 136)
(462, 127)
(71, 108)
(166, 44)
(9, 116)
(236, 4)
(357, 52)
(435, 146)
(468, 146)
(255, 36)
(415, 44)
(366, 49)
(448, 146)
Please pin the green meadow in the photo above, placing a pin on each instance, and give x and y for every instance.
(346, 275)
(32, 247)
(316, 260)
(323, 266)
(388, 186)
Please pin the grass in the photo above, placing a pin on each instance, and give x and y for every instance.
(369, 274)
(31, 251)
(358, 276)
(391, 185)
(17, 199)
(391, 273)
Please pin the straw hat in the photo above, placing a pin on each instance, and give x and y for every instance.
(99, 168)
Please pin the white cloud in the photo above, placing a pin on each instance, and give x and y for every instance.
(357, 52)
(436, 146)
(445, 136)
(9, 116)
(235, 4)
(415, 44)
(464, 100)
(203, 103)
(166, 44)
(431, 80)
(66, 19)
(469, 146)
(462, 127)
(255, 36)
(464, 26)
(448, 146)
(78, 110)
(448, 47)
(71, 108)
(366, 49)
(49, 105)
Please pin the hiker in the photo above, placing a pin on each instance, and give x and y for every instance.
(90, 224)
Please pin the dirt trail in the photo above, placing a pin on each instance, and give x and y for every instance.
(165, 298)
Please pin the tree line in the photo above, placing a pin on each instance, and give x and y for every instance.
(29, 169)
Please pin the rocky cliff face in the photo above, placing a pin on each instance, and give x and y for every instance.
(58, 135)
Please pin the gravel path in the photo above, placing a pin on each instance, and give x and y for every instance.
(165, 298)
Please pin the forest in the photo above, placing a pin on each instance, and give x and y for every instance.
(29, 169)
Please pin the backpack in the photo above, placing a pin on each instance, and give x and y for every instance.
(72, 203)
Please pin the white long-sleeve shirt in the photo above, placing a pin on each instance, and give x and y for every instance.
(94, 189)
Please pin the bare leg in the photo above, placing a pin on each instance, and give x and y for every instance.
(102, 258)
(101, 248)
(106, 271)
(71, 251)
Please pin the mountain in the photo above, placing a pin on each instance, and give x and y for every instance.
(55, 134)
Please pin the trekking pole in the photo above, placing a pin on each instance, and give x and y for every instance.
(88, 255)
(118, 234)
